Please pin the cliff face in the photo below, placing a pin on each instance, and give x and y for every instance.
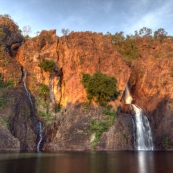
(73, 55)
(17, 130)
(64, 110)
(151, 85)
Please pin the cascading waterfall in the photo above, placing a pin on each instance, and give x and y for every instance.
(40, 136)
(38, 125)
(142, 129)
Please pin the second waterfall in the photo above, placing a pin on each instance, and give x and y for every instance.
(38, 126)
(142, 130)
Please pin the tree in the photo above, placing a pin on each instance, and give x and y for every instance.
(65, 32)
(26, 30)
(37, 33)
(100, 87)
(160, 34)
(118, 37)
(6, 16)
(108, 34)
(145, 32)
(47, 65)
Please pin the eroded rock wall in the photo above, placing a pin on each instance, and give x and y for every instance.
(151, 85)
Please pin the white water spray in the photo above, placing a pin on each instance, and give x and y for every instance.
(142, 130)
(38, 125)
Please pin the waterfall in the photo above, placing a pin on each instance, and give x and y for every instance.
(38, 125)
(142, 129)
(27, 92)
(40, 136)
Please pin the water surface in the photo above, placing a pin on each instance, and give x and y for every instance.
(87, 162)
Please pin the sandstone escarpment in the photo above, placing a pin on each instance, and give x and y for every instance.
(78, 53)
(151, 85)
(14, 107)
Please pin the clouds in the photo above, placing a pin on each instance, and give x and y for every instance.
(156, 16)
(93, 15)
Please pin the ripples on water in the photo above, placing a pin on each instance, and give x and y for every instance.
(87, 162)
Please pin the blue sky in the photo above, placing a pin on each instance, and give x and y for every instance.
(90, 15)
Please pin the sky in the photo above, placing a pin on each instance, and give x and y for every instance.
(90, 15)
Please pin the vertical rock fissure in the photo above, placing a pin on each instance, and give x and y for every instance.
(60, 84)
(38, 126)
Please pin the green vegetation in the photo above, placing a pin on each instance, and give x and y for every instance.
(86, 105)
(99, 127)
(43, 91)
(126, 137)
(58, 108)
(9, 84)
(100, 87)
(129, 46)
(41, 102)
(111, 115)
(5, 123)
(160, 35)
(172, 74)
(166, 143)
(65, 32)
(45, 115)
(3, 102)
(47, 65)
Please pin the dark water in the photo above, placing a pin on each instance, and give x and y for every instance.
(87, 162)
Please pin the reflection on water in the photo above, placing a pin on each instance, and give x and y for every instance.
(87, 162)
(145, 162)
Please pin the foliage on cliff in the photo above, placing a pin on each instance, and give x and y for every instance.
(43, 91)
(100, 127)
(100, 87)
(47, 65)
(130, 45)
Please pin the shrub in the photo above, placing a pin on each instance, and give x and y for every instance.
(47, 65)
(43, 91)
(57, 108)
(86, 105)
(100, 87)
(3, 102)
(98, 128)
(111, 115)
(9, 84)
(166, 143)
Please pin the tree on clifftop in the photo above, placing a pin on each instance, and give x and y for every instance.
(65, 32)
(160, 34)
(26, 31)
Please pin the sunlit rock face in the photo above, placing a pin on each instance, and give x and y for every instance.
(151, 85)
(74, 54)
(10, 36)
(77, 53)
(16, 127)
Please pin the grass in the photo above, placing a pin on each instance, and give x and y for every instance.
(86, 105)
(58, 108)
(99, 127)
(46, 115)
(2, 122)
(9, 84)
(166, 143)
(3, 102)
